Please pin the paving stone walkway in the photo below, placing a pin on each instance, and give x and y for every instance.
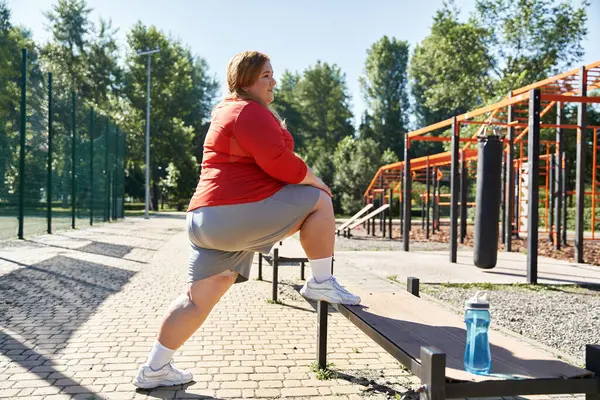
(80, 309)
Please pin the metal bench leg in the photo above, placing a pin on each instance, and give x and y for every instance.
(260, 259)
(302, 270)
(412, 285)
(332, 260)
(433, 374)
(322, 307)
(275, 272)
(592, 363)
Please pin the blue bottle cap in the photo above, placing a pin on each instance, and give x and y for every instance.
(478, 302)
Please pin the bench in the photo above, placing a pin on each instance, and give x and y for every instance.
(342, 228)
(429, 340)
(288, 251)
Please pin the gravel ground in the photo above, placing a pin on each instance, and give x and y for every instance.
(565, 318)
(360, 241)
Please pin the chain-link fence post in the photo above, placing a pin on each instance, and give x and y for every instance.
(50, 149)
(22, 141)
(92, 166)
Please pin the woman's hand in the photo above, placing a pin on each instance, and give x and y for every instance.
(322, 186)
(312, 180)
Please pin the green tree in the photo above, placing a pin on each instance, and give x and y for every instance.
(182, 94)
(503, 45)
(325, 104)
(532, 39)
(449, 70)
(356, 161)
(287, 104)
(384, 87)
(11, 41)
(106, 75)
(66, 53)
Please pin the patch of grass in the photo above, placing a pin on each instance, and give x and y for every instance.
(356, 350)
(323, 374)
(483, 286)
(393, 278)
(271, 301)
(575, 289)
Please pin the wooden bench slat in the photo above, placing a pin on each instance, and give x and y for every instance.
(411, 322)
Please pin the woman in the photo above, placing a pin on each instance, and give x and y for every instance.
(253, 192)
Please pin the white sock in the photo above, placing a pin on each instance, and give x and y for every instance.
(159, 356)
(321, 269)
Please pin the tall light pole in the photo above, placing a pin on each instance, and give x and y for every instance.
(147, 200)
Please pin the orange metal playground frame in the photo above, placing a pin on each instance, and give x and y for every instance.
(517, 115)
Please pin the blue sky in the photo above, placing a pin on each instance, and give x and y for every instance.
(294, 33)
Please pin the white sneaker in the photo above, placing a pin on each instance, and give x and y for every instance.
(330, 291)
(168, 375)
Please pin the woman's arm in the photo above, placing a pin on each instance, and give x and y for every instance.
(257, 132)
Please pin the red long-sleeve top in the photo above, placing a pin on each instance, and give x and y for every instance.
(248, 156)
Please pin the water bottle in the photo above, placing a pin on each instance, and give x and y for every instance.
(478, 359)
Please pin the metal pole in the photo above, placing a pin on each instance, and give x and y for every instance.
(563, 194)
(422, 212)
(517, 199)
(106, 175)
(390, 214)
(533, 159)
(503, 199)
(580, 177)
(551, 193)
(147, 200)
(123, 174)
(407, 198)
(564, 197)
(401, 201)
(92, 166)
(50, 149)
(115, 174)
(454, 191)
(463, 198)
(434, 201)
(147, 191)
(22, 129)
(510, 184)
(428, 199)
(558, 187)
(381, 202)
(73, 161)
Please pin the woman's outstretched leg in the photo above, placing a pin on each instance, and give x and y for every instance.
(185, 315)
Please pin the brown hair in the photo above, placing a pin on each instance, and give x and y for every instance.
(244, 70)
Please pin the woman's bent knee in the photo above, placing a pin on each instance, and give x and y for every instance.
(323, 203)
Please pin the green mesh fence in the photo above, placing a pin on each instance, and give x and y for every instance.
(70, 171)
(83, 160)
(10, 92)
(62, 129)
(36, 152)
(99, 194)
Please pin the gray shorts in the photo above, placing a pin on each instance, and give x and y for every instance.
(225, 238)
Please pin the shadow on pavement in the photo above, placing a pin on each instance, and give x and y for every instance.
(46, 303)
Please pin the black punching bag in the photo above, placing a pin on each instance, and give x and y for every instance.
(487, 206)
